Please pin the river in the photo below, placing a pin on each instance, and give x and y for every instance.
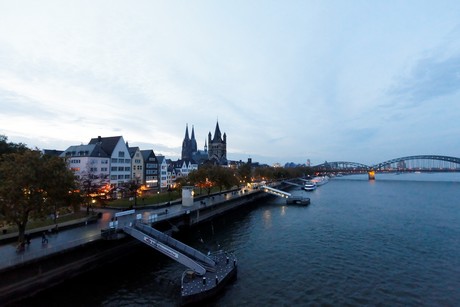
(394, 241)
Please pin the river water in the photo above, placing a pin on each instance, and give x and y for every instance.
(394, 241)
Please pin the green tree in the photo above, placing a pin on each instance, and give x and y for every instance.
(245, 172)
(10, 147)
(32, 186)
(223, 177)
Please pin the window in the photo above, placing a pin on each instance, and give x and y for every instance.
(113, 168)
(104, 169)
(121, 168)
(104, 161)
(121, 154)
(128, 169)
(113, 177)
(137, 161)
(114, 160)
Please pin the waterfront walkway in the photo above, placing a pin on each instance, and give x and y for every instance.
(74, 235)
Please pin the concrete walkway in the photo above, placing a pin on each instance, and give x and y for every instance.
(71, 237)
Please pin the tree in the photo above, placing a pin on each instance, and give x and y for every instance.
(10, 147)
(223, 177)
(245, 172)
(32, 186)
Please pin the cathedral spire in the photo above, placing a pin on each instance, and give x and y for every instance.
(217, 134)
(186, 132)
(193, 145)
(193, 133)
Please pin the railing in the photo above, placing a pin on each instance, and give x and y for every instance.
(26, 256)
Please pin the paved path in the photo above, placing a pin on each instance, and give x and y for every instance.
(72, 237)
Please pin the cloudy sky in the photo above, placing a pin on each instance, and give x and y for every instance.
(361, 81)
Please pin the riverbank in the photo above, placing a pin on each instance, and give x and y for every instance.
(79, 249)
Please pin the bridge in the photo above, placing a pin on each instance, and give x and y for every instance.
(424, 163)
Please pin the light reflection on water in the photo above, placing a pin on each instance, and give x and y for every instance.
(392, 241)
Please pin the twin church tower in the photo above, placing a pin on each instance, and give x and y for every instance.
(216, 153)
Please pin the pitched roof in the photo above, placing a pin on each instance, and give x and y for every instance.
(107, 143)
(132, 151)
(147, 154)
(93, 150)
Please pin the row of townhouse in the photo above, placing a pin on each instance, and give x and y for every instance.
(110, 161)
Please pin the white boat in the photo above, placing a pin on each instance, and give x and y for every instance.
(309, 186)
(320, 180)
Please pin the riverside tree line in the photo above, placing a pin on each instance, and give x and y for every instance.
(34, 186)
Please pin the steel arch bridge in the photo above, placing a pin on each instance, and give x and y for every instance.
(428, 163)
(420, 162)
(341, 166)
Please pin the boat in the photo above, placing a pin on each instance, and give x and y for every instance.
(298, 200)
(196, 288)
(309, 186)
(320, 180)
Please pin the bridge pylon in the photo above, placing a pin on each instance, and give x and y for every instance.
(371, 174)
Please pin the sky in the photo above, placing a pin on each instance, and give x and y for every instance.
(359, 81)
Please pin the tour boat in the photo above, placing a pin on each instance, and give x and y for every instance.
(320, 180)
(309, 186)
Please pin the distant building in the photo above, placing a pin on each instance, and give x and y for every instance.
(137, 165)
(188, 145)
(163, 172)
(88, 162)
(215, 148)
(120, 159)
(217, 151)
(151, 169)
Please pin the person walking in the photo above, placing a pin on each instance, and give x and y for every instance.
(44, 238)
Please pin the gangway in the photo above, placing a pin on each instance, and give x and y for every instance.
(206, 274)
(275, 191)
(293, 183)
(176, 250)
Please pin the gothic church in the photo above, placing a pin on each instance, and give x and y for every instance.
(216, 154)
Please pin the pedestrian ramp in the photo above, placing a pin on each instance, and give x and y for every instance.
(274, 191)
(293, 183)
(174, 249)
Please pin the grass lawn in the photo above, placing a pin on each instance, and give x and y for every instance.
(47, 222)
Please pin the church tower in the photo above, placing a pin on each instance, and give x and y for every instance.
(217, 150)
(193, 146)
(186, 146)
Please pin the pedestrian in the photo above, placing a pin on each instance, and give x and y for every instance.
(27, 238)
(44, 238)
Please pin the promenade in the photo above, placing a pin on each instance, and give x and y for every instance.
(78, 232)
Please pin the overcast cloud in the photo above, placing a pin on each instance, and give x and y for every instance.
(360, 81)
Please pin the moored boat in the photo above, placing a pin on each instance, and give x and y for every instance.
(320, 180)
(309, 186)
